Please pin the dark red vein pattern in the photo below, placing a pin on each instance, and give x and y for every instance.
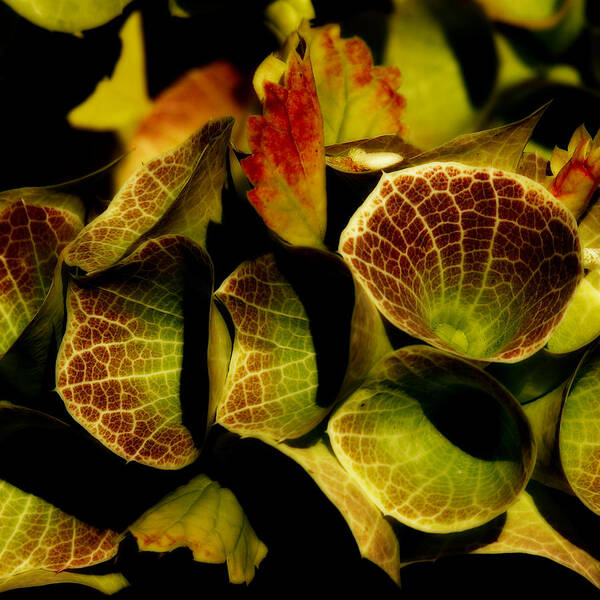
(119, 365)
(37, 535)
(31, 238)
(478, 261)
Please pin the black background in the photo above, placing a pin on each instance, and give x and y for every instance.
(311, 551)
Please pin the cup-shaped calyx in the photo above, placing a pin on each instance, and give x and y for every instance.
(435, 442)
(474, 260)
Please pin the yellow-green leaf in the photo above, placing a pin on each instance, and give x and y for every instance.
(38, 542)
(579, 435)
(581, 323)
(271, 386)
(119, 366)
(434, 441)
(527, 531)
(437, 103)
(501, 147)
(68, 17)
(121, 100)
(207, 519)
(177, 193)
(543, 415)
(285, 16)
(107, 584)
(374, 536)
(533, 14)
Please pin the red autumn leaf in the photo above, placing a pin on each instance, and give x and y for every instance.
(287, 165)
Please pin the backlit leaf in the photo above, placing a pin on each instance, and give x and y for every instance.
(501, 147)
(374, 536)
(529, 526)
(527, 531)
(435, 442)
(120, 362)
(358, 100)
(438, 107)
(39, 542)
(68, 17)
(271, 386)
(474, 260)
(287, 165)
(368, 340)
(180, 192)
(35, 226)
(544, 417)
(581, 324)
(207, 519)
(579, 436)
(121, 100)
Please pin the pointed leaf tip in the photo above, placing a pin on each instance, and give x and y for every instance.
(178, 192)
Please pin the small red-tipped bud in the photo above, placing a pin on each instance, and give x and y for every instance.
(576, 170)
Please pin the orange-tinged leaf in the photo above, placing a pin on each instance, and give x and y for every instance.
(200, 95)
(374, 536)
(119, 366)
(287, 165)
(577, 171)
(358, 100)
(179, 191)
(209, 520)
